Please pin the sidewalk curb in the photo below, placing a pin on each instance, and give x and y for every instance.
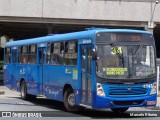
(154, 108)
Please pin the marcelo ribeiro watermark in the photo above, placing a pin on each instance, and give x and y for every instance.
(21, 114)
(143, 114)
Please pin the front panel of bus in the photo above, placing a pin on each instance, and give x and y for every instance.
(125, 70)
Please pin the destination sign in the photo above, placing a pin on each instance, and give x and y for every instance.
(105, 37)
(126, 37)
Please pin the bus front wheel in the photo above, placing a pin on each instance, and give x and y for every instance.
(69, 101)
(23, 90)
(119, 110)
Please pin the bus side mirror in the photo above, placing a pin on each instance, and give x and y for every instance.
(94, 54)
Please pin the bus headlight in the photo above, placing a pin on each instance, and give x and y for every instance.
(100, 91)
(153, 89)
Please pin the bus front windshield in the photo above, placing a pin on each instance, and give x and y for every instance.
(125, 61)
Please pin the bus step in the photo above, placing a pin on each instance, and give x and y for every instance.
(86, 106)
(41, 96)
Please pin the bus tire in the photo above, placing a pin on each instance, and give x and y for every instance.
(69, 101)
(119, 110)
(23, 90)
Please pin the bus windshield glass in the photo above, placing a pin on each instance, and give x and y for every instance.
(128, 61)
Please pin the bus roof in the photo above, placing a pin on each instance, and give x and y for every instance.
(68, 36)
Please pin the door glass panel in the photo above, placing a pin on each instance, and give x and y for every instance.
(41, 61)
(83, 59)
(14, 55)
(42, 56)
(83, 87)
(86, 60)
(89, 60)
(89, 91)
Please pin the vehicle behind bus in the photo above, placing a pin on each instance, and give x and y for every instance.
(96, 68)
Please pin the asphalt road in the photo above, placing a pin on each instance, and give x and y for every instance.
(12, 102)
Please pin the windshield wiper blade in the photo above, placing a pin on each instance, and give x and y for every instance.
(138, 49)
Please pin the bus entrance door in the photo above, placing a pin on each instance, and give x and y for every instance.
(86, 83)
(41, 62)
(14, 62)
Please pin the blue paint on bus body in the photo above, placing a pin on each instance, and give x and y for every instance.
(55, 77)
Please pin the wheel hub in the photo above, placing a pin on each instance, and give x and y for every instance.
(71, 100)
(22, 90)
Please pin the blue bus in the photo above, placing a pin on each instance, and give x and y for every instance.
(96, 68)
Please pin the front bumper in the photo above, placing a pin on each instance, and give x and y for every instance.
(122, 102)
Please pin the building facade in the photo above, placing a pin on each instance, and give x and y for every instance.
(31, 18)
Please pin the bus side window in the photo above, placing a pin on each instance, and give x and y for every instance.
(48, 54)
(52, 53)
(70, 53)
(7, 55)
(32, 54)
(24, 55)
(57, 51)
(19, 54)
(61, 54)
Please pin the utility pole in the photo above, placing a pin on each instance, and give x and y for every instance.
(151, 25)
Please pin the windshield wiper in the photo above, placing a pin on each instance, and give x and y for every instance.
(138, 49)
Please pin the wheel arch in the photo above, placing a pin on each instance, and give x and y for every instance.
(20, 82)
(66, 86)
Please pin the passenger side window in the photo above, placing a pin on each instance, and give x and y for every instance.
(7, 55)
(20, 55)
(32, 54)
(70, 53)
(56, 53)
(23, 55)
(48, 54)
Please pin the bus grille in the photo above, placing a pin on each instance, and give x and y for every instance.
(123, 103)
(127, 91)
